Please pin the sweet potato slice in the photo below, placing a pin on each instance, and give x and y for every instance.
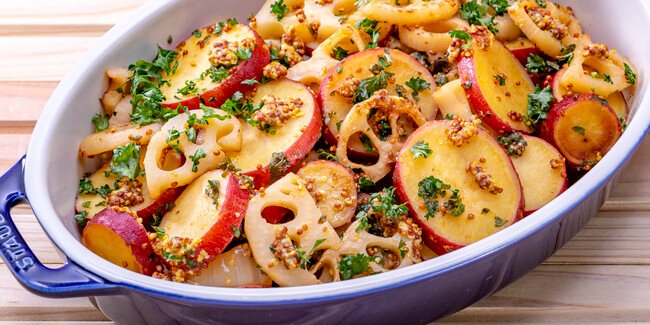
(333, 188)
(212, 63)
(268, 155)
(616, 100)
(118, 238)
(496, 83)
(208, 213)
(583, 128)
(542, 171)
(343, 87)
(470, 185)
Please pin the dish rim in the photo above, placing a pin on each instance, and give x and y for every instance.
(40, 199)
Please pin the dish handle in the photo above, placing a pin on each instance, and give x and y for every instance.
(70, 280)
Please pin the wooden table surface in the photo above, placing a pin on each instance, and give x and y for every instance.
(603, 274)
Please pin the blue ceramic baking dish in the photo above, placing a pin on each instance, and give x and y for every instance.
(47, 178)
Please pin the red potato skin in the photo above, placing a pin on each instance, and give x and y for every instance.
(547, 128)
(477, 100)
(231, 214)
(522, 53)
(158, 206)
(249, 69)
(133, 233)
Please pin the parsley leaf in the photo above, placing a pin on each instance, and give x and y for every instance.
(199, 154)
(189, 88)
(235, 231)
(365, 182)
(418, 85)
(541, 3)
(279, 9)
(539, 103)
(81, 218)
(324, 154)
(316, 244)
(125, 162)
(243, 53)
(86, 186)
(566, 55)
(212, 191)
(474, 13)
(388, 204)
(353, 265)
(500, 7)
(454, 205)
(430, 189)
(370, 85)
(629, 74)
(500, 79)
(605, 76)
(514, 143)
(578, 129)
(462, 35)
(100, 122)
(402, 248)
(537, 64)
(369, 27)
(339, 53)
(367, 144)
(498, 222)
(420, 149)
(145, 88)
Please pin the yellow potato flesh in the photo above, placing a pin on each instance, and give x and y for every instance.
(258, 146)
(194, 211)
(448, 164)
(541, 183)
(513, 96)
(111, 247)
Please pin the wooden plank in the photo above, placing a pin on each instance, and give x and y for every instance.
(23, 102)
(17, 304)
(80, 17)
(40, 58)
(557, 293)
(621, 237)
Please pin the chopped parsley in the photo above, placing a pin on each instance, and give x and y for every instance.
(82, 218)
(243, 53)
(462, 35)
(513, 143)
(370, 85)
(367, 144)
(324, 154)
(498, 222)
(216, 74)
(100, 122)
(369, 27)
(279, 9)
(537, 64)
(250, 82)
(454, 205)
(354, 265)
(365, 182)
(578, 129)
(125, 162)
(500, 7)
(621, 119)
(630, 76)
(566, 55)
(235, 231)
(316, 244)
(388, 205)
(86, 186)
(147, 97)
(196, 33)
(212, 191)
(430, 189)
(339, 53)
(198, 155)
(539, 103)
(189, 88)
(500, 79)
(605, 76)
(449, 116)
(475, 14)
(541, 3)
(418, 85)
(244, 109)
(420, 150)
(402, 248)
(160, 232)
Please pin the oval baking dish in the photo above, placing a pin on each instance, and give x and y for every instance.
(47, 177)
